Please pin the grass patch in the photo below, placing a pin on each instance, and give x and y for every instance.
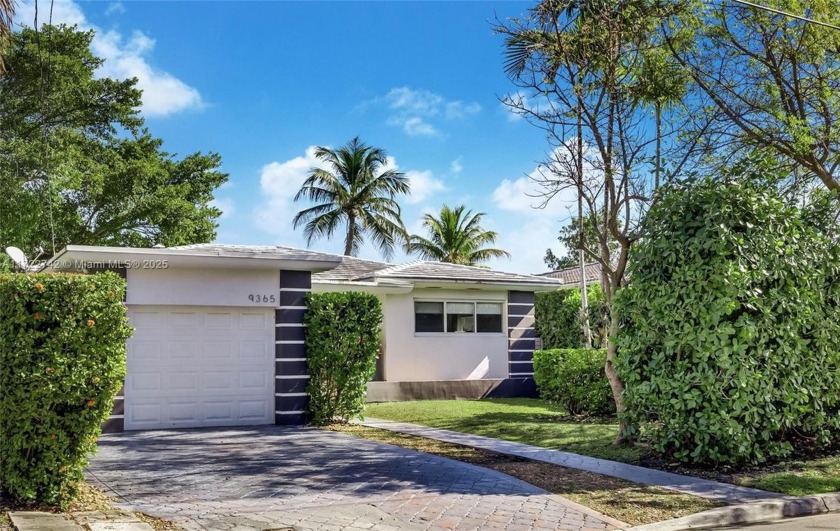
(797, 478)
(525, 420)
(629, 502)
(89, 499)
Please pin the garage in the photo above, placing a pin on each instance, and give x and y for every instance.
(196, 367)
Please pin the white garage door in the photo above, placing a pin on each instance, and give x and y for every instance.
(199, 367)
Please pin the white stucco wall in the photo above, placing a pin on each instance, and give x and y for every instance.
(411, 356)
(203, 287)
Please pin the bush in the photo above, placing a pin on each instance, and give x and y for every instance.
(557, 318)
(343, 335)
(730, 327)
(575, 379)
(62, 361)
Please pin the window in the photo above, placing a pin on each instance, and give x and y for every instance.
(458, 317)
(488, 317)
(428, 317)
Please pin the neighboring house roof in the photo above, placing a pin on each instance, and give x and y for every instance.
(351, 268)
(357, 270)
(571, 275)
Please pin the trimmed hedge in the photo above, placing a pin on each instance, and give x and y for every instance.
(343, 336)
(730, 335)
(557, 317)
(62, 361)
(575, 379)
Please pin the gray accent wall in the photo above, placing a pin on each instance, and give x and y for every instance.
(116, 421)
(521, 334)
(291, 374)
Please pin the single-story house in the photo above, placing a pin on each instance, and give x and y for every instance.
(219, 335)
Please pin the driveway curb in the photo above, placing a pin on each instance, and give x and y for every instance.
(750, 513)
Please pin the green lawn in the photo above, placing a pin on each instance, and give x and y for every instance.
(536, 422)
(525, 420)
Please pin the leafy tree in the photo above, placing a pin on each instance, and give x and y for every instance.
(765, 80)
(455, 236)
(730, 333)
(358, 191)
(578, 67)
(569, 238)
(76, 162)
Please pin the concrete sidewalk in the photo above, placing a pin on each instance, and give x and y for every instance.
(704, 488)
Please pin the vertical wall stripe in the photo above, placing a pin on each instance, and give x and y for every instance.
(521, 334)
(291, 369)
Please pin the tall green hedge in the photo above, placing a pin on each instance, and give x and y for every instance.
(343, 337)
(557, 317)
(575, 379)
(62, 361)
(730, 333)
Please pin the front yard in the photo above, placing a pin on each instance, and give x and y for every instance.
(539, 423)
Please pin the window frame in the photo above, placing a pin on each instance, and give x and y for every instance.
(475, 333)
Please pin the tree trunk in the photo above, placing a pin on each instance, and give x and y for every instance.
(584, 303)
(351, 235)
(616, 385)
(658, 168)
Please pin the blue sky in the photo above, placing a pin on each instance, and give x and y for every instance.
(261, 83)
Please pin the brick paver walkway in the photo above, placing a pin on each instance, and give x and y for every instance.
(297, 478)
(713, 490)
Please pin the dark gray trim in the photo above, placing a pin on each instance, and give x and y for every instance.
(291, 403)
(517, 297)
(522, 333)
(290, 419)
(451, 389)
(289, 350)
(289, 315)
(520, 356)
(520, 320)
(290, 333)
(286, 367)
(119, 406)
(293, 298)
(296, 279)
(522, 344)
(113, 425)
(290, 385)
(521, 367)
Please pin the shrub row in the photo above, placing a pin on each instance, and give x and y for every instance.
(557, 316)
(575, 379)
(343, 336)
(62, 361)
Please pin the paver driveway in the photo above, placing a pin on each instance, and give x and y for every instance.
(298, 478)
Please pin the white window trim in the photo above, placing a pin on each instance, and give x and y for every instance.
(474, 333)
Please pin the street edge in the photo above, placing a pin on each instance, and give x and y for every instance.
(750, 513)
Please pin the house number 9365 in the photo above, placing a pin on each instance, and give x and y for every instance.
(261, 297)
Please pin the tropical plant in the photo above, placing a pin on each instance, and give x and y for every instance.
(7, 12)
(356, 189)
(455, 236)
(730, 336)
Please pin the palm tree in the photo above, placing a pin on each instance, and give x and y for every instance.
(357, 191)
(456, 237)
(7, 12)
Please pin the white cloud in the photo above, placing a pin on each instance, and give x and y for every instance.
(115, 8)
(163, 93)
(226, 205)
(416, 126)
(456, 166)
(279, 182)
(417, 110)
(423, 185)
